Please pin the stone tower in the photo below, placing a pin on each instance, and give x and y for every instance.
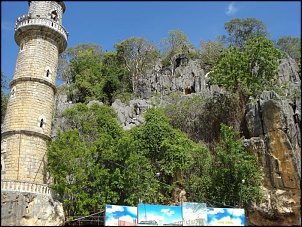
(27, 124)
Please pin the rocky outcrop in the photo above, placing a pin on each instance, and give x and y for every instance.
(130, 115)
(273, 123)
(32, 210)
(183, 75)
(275, 129)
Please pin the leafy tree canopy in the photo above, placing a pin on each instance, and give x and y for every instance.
(4, 97)
(210, 52)
(232, 165)
(249, 71)
(291, 46)
(176, 42)
(138, 55)
(242, 30)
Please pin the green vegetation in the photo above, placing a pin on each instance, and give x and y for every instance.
(249, 71)
(102, 164)
(291, 46)
(177, 42)
(83, 177)
(242, 30)
(4, 97)
(210, 52)
(137, 55)
(192, 142)
(232, 164)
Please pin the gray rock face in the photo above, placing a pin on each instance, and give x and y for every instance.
(185, 76)
(275, 128)
(30, 211)
(273, 123)
(130, 115)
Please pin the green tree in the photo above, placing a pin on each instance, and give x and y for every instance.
(242, 30)
(198, 180)
(72, 165)
(116, 82)
(210, 52)
(92, 121)
(200, 117)
(85, 178)
(176, 42)
(79, 67)
(138, 55)
(291, 46)
(249, 71)
(154, 147)
(232, 164)
(4, 97)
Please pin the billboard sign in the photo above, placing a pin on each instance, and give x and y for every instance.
(194, 214)
(225, 217)
(152, 215)
(116, 215)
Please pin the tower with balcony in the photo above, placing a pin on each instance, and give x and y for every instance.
(27, 124)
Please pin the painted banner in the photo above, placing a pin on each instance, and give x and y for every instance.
(151, 215)
(225, 217)
(194, 214)
(116, 215)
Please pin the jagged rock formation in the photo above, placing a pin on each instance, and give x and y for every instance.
(275, 128)
(273, 123)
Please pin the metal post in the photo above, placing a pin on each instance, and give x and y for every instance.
(156, 175)
(241, 192)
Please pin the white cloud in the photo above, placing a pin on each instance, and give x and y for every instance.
(168, 212)
(114, 208)
(231, 9)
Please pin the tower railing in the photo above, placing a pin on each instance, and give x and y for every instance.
(25, 186)
(42, 21)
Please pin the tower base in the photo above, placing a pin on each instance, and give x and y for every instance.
(30, 209)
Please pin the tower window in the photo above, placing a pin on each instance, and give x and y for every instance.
(41, 123)
(47, 72)
(54, 15)
(13, 92)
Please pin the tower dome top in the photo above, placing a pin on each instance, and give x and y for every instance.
(61, 3)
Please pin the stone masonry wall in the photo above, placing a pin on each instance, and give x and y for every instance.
(31, 101)
(35, 57)
(23, 158)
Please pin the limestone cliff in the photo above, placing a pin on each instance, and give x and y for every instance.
(273, 123)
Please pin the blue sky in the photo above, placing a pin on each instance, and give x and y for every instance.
(109, 22)
(223, 216)
(116, 212)
(166, 214)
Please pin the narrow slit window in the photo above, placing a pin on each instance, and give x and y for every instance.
(47, 73)
(41, 123)
(13, 92)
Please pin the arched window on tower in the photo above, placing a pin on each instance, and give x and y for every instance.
(13, 92)
(21, 46)
(54, 15)
(47, 72)
(41, 121)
